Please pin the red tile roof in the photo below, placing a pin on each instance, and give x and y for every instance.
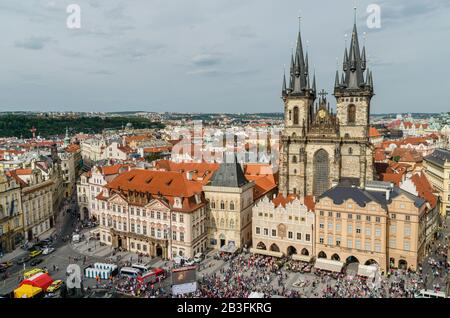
(424, 188)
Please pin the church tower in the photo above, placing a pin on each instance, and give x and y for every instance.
(298, 97)
(354, 92)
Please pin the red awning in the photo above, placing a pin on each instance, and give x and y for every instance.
(40, 280)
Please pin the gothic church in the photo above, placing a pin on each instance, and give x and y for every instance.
(322, 147)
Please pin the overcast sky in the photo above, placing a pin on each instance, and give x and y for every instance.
(212, 55)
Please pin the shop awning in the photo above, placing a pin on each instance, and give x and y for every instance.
(366, 270)
(303, 258)
(40, 280)
(328, 265)
(230, 248)
(26, 291)
(265, 252)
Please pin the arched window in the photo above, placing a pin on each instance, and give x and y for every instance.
(351, 114)
(222, 223)
(295, 115)
(321, 172)
(213, 204)
(231, 224)
(350, 151)
(294, 159)
(231, 205)
(222, 205)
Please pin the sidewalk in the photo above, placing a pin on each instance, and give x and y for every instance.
(18, 252)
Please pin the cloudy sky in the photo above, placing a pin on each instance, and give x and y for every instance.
(212, 55)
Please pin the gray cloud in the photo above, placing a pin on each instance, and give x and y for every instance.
(206, 59)
(34, 42)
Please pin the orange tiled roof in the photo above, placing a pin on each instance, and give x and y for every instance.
(407, 155)
(166, 185)
(114, 169)
(424, 188)
(73, 148)
(373, 132)
(395, 178)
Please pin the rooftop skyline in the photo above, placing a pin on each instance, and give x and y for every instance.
(213, 56)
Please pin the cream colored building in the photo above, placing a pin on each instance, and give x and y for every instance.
(93, 149)
(11, 218)
(230, 197)
(285, 226)
(157, 213)
(37, 204)
(437, 169)
(380, 224)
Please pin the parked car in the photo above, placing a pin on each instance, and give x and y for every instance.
(48, 250)
(190, 262)
(199, 257)
(23, 260)
(36, 261)
(57, 284)
(35, 253)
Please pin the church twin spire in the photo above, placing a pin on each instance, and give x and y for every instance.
(353, 75)
(299, 78)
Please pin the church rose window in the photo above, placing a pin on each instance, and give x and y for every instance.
(321, 172)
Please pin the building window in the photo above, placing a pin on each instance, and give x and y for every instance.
(378, 247)
(299, 236)
(296, 115)
(321, 240)
(349, 243)
(367, 246)
(330, 226)
(338, 241)
(213, 204)
(321, 213)
(338, 227)
(393, 228)
(377, 232)
(407, 231)
(181, 218)
(378, 219)
(349, 228)
(294, 159)
(350, 216)
(392, 243)
(330, 214)
(222, 205)
(406, 246)
(274, 232)
(368, 218)
(393, 216)
(338, 215)
(351, 114)
(358, 244)
(290, 235)
(408, 218)
(182, 237)
(158, 215)
(174, 217)
(330, 240)
(258, 230)
(266, 232)
(368, 231)
(358, 230)
(321, 225)
(144, 229)
(231, 205)
(152, 231)
(174, 235)
(358, 217)
(308, 237)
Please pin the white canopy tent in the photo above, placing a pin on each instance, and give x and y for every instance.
(328, 265)
(265, 252)
(367, 270)
(303, 258)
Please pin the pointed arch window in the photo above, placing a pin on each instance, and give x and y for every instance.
(222, 205)
(351, 114)
(231, 205)
(294, 159)
(296, 114)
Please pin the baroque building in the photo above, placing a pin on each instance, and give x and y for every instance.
(321, 147)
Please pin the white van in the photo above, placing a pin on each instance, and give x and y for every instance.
(142, 267)
(76, 238)
(130, 272)
(430, 294)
